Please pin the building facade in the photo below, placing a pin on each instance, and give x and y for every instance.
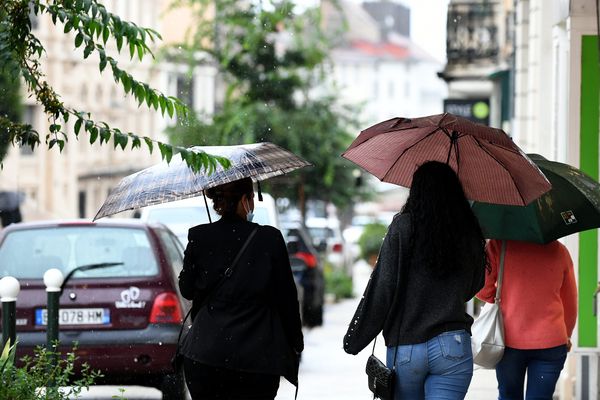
(75, 182)
(544, 91)
(376, 66)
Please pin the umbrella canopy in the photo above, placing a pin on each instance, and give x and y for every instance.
(489, 165)
(167, 182)
(573, 205)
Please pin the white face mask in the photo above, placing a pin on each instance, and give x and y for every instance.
(250, 214)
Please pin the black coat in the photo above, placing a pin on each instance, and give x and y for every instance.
(411, 304)
(252, 321)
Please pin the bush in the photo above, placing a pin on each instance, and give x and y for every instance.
(338, 283)
(40, 378)
(370, 241)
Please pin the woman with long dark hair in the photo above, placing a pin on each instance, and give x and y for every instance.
(246, 329)
(431, 262)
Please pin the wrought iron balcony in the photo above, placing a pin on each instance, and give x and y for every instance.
(472, 33)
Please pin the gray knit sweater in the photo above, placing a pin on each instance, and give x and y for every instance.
(410, 304)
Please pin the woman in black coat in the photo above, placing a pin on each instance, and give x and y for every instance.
(248, 331)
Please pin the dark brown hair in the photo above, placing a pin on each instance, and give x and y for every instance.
(227, 196)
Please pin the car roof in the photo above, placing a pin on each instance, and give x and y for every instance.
(114, 222)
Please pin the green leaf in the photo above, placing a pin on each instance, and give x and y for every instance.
(166, 151)
(104, 135)
(105, 34)
(93, 135)
(119, 40)
(102, 63)
(135, 142)
(77, 126)
(120, 140)
(131, 49)
(170, 110)
(68, 27)
(140, 51)
(78, 40)
(149, 143)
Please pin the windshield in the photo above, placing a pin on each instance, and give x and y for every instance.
(28, 254)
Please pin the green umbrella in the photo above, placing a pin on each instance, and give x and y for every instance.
(573, 205)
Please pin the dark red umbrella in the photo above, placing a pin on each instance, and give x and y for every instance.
(490, 166)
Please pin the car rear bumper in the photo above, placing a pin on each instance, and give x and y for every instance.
(122, 356)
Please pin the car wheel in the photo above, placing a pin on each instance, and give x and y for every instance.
(173, 387)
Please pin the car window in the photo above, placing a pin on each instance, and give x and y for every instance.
(173, 249)
(321, 233)
(28, 254)
(181, 215)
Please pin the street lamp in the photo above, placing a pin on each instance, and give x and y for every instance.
(9, 290)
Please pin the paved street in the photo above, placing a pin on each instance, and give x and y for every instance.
(327, 372)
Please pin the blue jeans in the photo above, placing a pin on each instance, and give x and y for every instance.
(440, 368)
(542, 367)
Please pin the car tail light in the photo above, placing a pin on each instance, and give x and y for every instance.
(166, 309)
(337, 248)
(308, 258)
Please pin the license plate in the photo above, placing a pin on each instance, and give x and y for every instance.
(75, 316)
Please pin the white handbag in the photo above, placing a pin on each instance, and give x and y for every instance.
(487, 340)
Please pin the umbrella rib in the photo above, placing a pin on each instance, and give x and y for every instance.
(437, 128)
(501, 164)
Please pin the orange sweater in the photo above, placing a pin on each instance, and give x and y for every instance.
(539, 295)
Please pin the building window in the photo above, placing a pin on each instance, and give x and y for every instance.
(185, 89)
(81, 203)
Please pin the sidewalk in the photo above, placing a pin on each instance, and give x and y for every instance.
(327, 372)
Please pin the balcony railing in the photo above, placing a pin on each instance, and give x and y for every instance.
(472, 32)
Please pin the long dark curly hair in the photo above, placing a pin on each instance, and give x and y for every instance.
(445, 233)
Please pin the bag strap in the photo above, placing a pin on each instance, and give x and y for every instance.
(226, 274)
(500, 272)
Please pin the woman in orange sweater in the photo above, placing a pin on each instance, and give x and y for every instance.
(539, 307)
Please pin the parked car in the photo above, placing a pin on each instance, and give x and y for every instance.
(328, 239)
(179, 216)
(125, 317)
(308, 271)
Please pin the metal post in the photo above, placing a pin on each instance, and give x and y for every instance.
(9, 290)
(53, 279)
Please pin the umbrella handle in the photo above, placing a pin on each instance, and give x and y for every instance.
(207, 210)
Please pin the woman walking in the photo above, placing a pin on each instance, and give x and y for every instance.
(431, 262)
(539, 309)
(246, 330)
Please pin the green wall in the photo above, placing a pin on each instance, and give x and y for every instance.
(589, 153)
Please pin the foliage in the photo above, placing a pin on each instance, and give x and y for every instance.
(271, 60)
(94, 30)
(10, 105)
(338, 283)
(371, 239)
(39, 377)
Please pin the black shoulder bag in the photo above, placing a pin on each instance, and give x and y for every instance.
(177, 359)
(381, 379)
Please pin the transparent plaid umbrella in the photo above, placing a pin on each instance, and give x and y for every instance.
(172, 181)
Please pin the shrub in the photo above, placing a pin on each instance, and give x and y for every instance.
(371, 239)
(42, 375)
(338, 283)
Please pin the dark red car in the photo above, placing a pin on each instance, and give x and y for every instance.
(125, 317)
